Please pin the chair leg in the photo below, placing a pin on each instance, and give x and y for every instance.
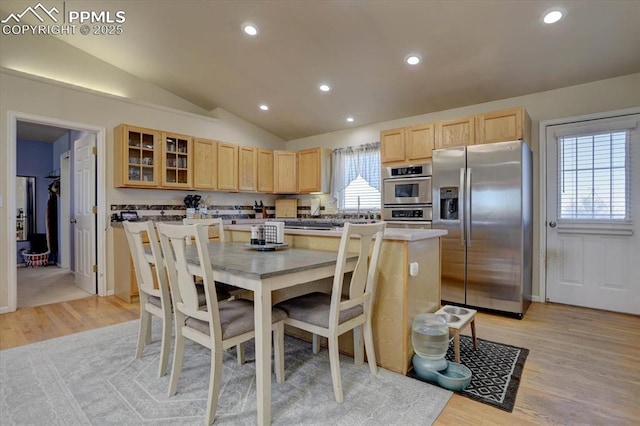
(147, 338)
(371, 351)
(240, 353)
(165, 343)
(143, 331)
(315, 343)
(278, 350)
(358, 346)
(214, 385)
(176, 368)
(334, 361)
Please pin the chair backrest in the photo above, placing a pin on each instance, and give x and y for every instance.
(178, 254)
(144, 265)
(363, 278)
(211, 224)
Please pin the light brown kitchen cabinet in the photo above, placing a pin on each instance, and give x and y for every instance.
(392, 145)
(125, 283)
(314, 170)
(419, 142)
(136, 157)
(501, 126)
(285, 172)
(265, 170)
(407, 144)
(456, 132)
(177, 161)
(227, 166)
(205, 163)
(248, 169)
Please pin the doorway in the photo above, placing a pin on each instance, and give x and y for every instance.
(592, 230)
(15, 122)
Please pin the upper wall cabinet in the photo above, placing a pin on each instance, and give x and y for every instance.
(285, 172)
(408, 144)
(137, 157)
(205, 164)
(265, 170)
(227, 167)
(456, 132)
(177, 160)
(314, 170)
(248, 169)
(500, 126)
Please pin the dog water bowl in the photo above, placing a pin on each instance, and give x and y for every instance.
(455, 377)
(454, 310)
(449, 317)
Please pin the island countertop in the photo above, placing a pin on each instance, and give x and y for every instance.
(398, 234)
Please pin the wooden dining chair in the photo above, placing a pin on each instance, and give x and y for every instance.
(215, 223)
(219, 325)
(332, 315)
(154, 295)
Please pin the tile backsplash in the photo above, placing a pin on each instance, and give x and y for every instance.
(179, 211)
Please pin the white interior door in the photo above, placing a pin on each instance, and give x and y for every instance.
(593, 209)
(84, 196)
(65, 210)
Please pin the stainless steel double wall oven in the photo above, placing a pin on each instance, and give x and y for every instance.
(406, 192)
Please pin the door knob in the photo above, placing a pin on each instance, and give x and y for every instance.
(552, 224)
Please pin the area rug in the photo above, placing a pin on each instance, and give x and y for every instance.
(92, 378)
(496, 370)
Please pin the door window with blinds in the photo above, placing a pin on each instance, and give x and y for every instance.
(356, 177)
(595, 169)
(594, 176)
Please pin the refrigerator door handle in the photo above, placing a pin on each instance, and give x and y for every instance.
(467, 204)
(461, 208)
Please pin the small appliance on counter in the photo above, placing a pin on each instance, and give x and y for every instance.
(130, 215)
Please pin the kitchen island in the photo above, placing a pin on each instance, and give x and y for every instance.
(408, 284)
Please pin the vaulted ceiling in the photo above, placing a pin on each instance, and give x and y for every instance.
(472, 51)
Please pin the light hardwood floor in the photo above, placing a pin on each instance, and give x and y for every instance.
(583, 367)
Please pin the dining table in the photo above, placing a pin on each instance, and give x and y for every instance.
(262, 272)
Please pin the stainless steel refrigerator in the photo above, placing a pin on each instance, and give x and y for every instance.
(483, 195)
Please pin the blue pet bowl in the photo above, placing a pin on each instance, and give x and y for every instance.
(455, 377)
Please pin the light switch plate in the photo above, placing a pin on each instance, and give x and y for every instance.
(1, 205)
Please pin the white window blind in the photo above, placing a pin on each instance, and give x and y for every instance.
(594, 176)
(356, 177)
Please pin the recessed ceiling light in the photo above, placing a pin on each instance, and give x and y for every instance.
(413, 59)
(552, 16)
(264, 107)
(250, 29)
(325, 87)
(350, 119)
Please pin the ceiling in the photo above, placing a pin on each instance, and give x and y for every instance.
(473, 51)
(39, 132)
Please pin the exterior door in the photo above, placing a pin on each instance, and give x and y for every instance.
(84, 196)
(593, 209)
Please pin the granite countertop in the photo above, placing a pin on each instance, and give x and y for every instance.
(401, 234)
(398, 234)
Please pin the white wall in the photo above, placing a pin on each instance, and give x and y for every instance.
(37, 96)
(605, 95)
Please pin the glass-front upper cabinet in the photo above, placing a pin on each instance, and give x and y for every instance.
(177, 160)
(137, 156)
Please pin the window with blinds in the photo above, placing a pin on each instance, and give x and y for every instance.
(594, 177)
(359, 191)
